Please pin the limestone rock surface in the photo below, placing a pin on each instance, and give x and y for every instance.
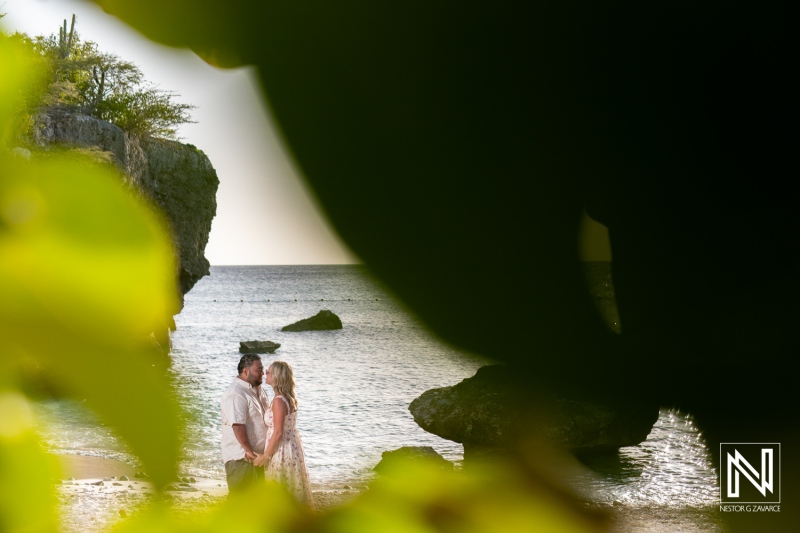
(487, 412)
(178, 178)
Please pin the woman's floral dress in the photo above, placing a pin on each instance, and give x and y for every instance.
(288, 464)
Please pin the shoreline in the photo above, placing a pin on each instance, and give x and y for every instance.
(96, 492)
(663, 519)
(90, 466)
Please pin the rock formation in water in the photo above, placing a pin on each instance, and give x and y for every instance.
(258, 346)
(487, 413)
(324, 320)
(411, 453)
(177, 177)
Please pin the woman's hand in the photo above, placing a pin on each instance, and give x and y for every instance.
(262, 459)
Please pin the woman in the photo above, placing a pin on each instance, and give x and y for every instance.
(283, 456)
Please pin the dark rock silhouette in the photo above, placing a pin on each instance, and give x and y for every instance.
(324, 320)
(477, 152)
(412, 453)
(258, 346)
(487, 412)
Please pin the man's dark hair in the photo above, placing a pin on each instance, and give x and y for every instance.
(247, 360)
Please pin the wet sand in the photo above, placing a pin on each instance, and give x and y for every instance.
(85, 467)
(99, 495)
(98, 492)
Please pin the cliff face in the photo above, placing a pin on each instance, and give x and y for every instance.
(177, 177)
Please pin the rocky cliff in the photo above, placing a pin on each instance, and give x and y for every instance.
(177, 177)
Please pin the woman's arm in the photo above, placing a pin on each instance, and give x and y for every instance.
(279, 412)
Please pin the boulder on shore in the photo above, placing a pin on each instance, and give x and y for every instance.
(411, 453)
(324, 320)
(258, 346)
(492, 411)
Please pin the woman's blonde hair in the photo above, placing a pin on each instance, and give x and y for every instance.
(283, 382)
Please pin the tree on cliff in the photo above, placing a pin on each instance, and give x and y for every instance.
(86, 80)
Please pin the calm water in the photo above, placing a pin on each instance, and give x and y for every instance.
(354, 385)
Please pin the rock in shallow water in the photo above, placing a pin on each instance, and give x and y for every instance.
(411, 453)
(174, 488)
(258, 346)
(324, 320)
(486, 413)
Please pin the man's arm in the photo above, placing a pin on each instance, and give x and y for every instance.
(240, 432)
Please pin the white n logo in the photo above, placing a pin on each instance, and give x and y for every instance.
(740, 464)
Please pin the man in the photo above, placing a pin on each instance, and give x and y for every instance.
(244, 433)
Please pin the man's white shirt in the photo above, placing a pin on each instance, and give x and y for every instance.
(243, 404)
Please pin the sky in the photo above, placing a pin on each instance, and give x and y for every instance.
(266, 215)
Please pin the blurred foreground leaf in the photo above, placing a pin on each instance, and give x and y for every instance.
(413, 497)
(16, 75)
(501, 497)
(209, 27)
(264, 509)
(27, 500)
(86, 276)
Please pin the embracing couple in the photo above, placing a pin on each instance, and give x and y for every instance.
(259, 438)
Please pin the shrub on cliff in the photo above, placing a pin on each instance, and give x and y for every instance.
(87, 80)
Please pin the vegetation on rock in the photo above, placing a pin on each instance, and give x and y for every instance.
(81, 78)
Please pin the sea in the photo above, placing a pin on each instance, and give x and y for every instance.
(354, 386)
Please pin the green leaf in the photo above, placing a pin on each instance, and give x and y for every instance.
(87, 275)
(18, 74)
(265, 508)
(498, 497)
(27, 473)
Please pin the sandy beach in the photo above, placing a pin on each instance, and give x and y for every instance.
(97, 492)
(85, 467)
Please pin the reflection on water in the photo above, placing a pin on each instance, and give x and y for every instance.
(671, 468)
